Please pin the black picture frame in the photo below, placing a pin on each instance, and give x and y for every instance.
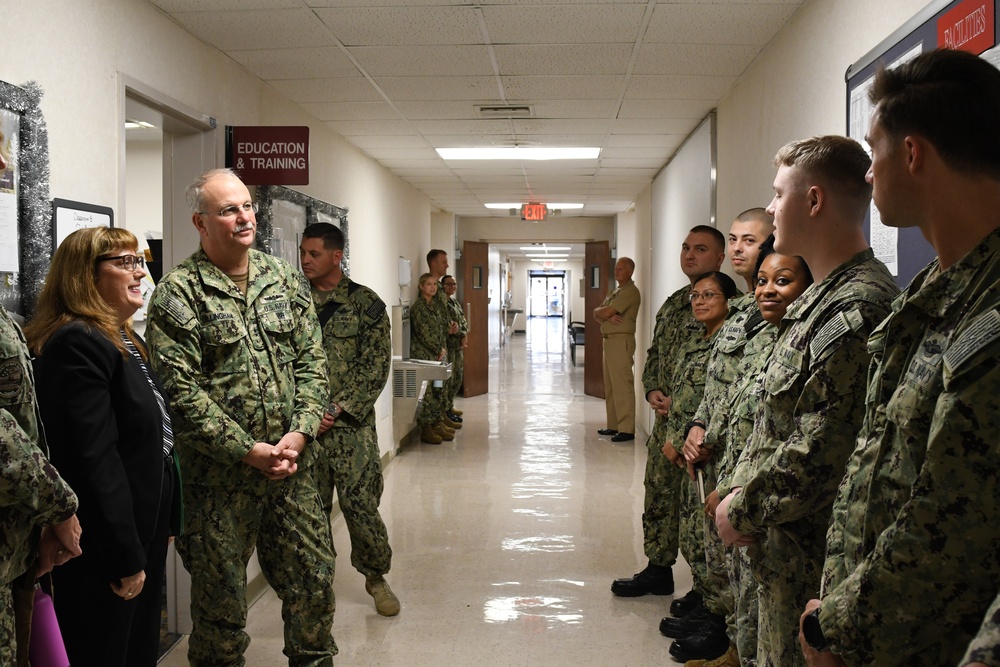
(268, 194)
(69, 216)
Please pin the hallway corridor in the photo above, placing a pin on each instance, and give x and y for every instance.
(505, 540)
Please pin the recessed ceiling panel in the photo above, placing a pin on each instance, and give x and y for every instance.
(548, 24)
(259, 29)
(403, 26)
(321, 63)
(340, 89)
(558, 59)
(424, 60)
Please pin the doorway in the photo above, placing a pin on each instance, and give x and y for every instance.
(546, 293)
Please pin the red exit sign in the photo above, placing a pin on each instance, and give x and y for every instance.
(534, 212)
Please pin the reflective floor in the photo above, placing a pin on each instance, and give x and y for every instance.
(506, 540)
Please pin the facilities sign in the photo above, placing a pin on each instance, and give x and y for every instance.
(269, 155)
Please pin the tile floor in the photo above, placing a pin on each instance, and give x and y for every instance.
(506, 540)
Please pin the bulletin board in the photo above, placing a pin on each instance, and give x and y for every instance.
(970, 25)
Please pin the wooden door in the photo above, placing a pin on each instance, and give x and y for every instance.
(475, 300)
(596, 264)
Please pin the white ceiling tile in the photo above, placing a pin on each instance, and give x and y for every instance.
(682, 126)
(696, 59)
(633, 140)
(666, 108)
(566, 24)
(258, 29)
(682, 87)
(457, 60)
(636, 152)
(403, 26)
(349, 128)
(321, 63)
(361, 111)
(489, 132)
(632, 163)
(578, 87)
(170, 6)
(535, 126)
(340, 89)
(728, 23)
(434, 88)
(399, 154)
(559, 59)
(372, 141)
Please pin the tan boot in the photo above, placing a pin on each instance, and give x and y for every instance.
(449, 423)
(457, 413)
(386, 602)
(444, 432)
(730, 658)
(441, 426)
(430, 436)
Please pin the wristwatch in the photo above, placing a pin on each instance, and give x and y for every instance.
(813, 632)
(334, 410)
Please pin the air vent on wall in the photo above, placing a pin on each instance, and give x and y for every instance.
(504, 110)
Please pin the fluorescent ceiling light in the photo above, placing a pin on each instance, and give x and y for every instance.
(558, 254)
(520, 153)
(132, 124)
(545, 261)
(506, 205)
(532, 248)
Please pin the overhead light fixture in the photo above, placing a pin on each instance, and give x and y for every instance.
(557, 255)
(132, 124)
(510, 205)
(533, 248)
(520, 153)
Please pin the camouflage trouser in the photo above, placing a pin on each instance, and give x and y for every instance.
(720, 596)
(744, 587)
(351, 463)
(661, 505)
(781, 600)
(285, 521)
(433, 405)
(456, 355)
(692, 536)
(7, 653)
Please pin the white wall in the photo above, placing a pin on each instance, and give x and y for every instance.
(76, 52)
(144, 185)
(795, 89)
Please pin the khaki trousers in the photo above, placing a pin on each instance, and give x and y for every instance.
(619, 382)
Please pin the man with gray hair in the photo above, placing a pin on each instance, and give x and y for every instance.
(234, 336)
(617, 315)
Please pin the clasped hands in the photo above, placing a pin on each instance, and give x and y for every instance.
(277, 461)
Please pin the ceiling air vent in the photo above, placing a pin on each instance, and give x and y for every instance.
(504, 110)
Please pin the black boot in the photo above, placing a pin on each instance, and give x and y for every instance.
(691, 624)
(710, 644)
(654, 580)
(685, 605)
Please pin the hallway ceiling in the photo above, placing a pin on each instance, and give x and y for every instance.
(399, 78)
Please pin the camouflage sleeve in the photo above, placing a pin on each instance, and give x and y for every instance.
(805, 468)
(985, 648)
(364, 381)
(311, 372)
(650, 371)
(427, 336)
(174, 341)
(932, 561)
(28, 481)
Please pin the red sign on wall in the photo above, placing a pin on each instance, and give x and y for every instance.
(970, 26)
(264, 155)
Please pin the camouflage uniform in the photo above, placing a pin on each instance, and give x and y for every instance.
(241, 370)
(804, 433)
(428, 336)
(721, 372)
(663, 480)
(456, 355)
(358, 350)
(687, 388)
(985, 648)
(746, 397)
(914, 544)
(32, 494)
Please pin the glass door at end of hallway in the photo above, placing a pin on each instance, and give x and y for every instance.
(546, 293)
